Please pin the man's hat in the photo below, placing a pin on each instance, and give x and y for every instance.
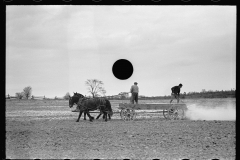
(135, 83)
(180, 84)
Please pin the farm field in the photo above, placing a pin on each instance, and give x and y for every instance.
(46, 129)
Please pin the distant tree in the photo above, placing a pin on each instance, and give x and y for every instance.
(210, 91)
(95, 87)
(19, 95)
(27, 91)
(66, 97)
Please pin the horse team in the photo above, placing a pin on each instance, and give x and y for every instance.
(84, 105)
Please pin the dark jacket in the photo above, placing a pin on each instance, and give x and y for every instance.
(175, 90)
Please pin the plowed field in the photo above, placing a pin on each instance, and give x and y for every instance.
(39, 129)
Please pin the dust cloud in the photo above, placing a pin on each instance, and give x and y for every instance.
(198, 112)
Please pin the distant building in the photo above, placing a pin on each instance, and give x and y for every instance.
(114, 96)
(124, 94)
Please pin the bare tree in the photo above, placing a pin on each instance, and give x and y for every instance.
(27, 91)
(95, 87)
(66, 97)
(19, 95)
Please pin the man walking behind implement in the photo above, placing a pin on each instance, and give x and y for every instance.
(134, 90)
(175, 92)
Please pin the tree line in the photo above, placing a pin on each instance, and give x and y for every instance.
(211, 94)
(96, 89)
(203, 94)
(26, 93)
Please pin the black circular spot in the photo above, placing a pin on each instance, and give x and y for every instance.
(122, 69)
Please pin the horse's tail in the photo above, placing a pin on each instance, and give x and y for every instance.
(104, 105)
(109, 107)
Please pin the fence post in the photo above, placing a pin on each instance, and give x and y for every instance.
(8, 96)
(44, 97)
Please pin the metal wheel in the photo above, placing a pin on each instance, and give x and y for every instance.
(128, 114)
(175, 112)
(165, 113)
(172, 112)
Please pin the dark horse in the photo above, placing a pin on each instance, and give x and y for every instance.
(89, 104)
(86, 105)
(74, 100)
(107, 101)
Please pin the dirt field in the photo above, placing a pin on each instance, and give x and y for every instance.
(47, 129)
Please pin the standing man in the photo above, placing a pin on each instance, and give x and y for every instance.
(134, 90)
(175, 92)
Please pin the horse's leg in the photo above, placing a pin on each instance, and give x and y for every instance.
(101, 112)
(89, 116)
(105, 116)
(99, 115)
(109, 117)
(85, 115)
(79, 116)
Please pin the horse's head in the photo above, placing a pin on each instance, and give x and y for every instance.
(73, 100)
(78, 95)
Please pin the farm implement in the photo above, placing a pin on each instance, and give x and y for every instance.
(169, 111)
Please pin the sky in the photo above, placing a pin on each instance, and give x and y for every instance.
(55, 49)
